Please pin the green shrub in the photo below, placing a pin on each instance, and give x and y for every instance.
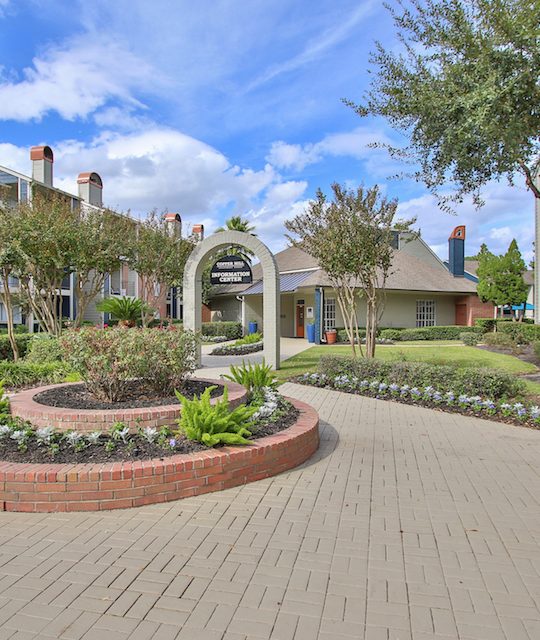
(26, 374)
(342, 335)
(233, 330)
(485, 325)
(470, 339)
(4, 402)
(520, 332)
(452, 332)
(213, 424)
(23, 341)
(44, 348)
(391, 334)
(477, 381)
(536, 347)
(250, 338)
(253, 377)
(106, 359)
(499, 340)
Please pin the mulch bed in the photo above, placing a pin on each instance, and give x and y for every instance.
(140, 449)
(76, 396)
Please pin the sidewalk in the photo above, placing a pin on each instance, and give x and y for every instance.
(407, 524)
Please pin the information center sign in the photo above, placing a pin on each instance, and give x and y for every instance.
(231, 270)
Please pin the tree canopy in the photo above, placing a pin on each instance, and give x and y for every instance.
(500, 278)
(463, 87)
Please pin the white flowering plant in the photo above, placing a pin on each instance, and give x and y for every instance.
(517, 412)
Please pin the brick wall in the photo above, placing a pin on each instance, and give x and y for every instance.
(475, 308)
(119, 485)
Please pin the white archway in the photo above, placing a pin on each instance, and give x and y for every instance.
(192, 293)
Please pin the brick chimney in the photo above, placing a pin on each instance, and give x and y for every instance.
(42, 165)
(90, 188)
(456, 252)
(174, 224)
(198, 232)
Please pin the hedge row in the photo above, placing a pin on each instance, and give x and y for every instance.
(476, 381)
(452, 332)
(519, 332)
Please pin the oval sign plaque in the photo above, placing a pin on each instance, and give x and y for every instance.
(231, 270)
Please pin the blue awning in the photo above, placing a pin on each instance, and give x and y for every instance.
(519, 307)
(288, 282)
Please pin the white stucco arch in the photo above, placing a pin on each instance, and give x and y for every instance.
(192, 293)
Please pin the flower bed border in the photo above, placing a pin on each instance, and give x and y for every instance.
(24, 406)
(516, 414)
(42, 488)
(237, 350)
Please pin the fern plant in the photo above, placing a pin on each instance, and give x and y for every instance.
(253, 377)
(214, 424)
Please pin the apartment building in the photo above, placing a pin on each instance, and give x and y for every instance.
(123, 282)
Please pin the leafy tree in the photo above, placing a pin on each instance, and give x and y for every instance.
(464, 90)
(105, 240)
(11, 260)
(46, 233)
(159, 259)
(351, 238)
(500, 278)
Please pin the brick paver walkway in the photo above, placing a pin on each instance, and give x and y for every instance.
(408, 523)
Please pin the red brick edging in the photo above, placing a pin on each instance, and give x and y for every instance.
(24, 406)
(95, 487)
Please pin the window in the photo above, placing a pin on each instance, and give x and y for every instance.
(17, 315)
(329, 313)
(425, 313)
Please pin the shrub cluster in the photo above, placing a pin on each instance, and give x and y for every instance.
(452, 332)
(106, 359)
(231, 330)
(29, 374)
(23, 342)
(520, 332)
(499, 340)
(485, 325)
(44, 348)
(469, 380)
(469, 339)
(237, 349)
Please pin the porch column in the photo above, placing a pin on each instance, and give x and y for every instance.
(318, 314)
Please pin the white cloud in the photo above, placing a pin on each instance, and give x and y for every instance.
(354, 144)
(165, 169)
(318, 46)
(508, 213)
(76, 79)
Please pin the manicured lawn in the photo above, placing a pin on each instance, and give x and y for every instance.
(435, 354)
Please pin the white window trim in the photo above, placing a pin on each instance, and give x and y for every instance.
(426, 313)
(329, 322)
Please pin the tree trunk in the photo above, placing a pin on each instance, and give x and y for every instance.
(6, 299)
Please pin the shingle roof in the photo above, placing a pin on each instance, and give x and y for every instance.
(409, 273)
(472, 266)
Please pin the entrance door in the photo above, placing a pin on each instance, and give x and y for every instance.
(461, 314)
(300, 319)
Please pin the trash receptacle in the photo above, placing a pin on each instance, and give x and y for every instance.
(311, 332)
(252, 327)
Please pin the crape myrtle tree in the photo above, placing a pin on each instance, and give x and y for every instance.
(105, 240)
(351, 237)
(11, 260)
(159, 258)
(500, 278)
(44, 234)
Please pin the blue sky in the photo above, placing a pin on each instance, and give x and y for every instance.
(215, 108)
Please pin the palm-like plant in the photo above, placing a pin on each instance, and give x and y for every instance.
(125, 309)
(237, 223)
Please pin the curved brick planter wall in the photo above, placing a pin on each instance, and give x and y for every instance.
(93, 487)
(23, 405)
